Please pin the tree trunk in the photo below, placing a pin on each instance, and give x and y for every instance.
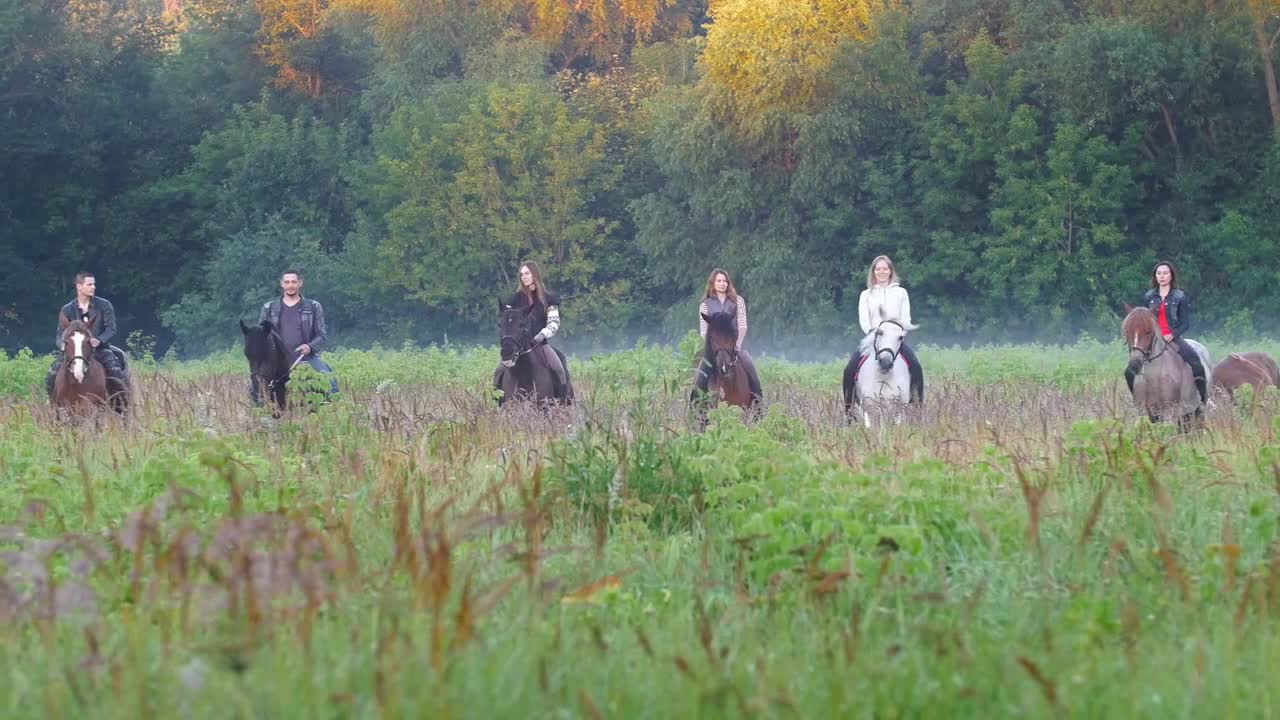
(1268, 71)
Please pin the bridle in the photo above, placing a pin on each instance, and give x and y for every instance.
(79, 353)
(523, 345)
(1146, 352)
(875, 343)
(285, 377)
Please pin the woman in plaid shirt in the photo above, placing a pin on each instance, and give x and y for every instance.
(721, 297)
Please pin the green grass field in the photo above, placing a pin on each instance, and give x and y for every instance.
(1022, 546)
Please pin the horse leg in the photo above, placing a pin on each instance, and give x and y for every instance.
(279, 399)
(699, 401)
(849, 382)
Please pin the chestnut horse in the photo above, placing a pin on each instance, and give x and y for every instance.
(1249, 368)
(1163, 386)
(727, 380)
(81, 383)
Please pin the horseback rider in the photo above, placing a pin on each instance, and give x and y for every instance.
(721, 297)
(100, 316)
(531, 291)
(885, 299)
(300, 323)
(1172, 309)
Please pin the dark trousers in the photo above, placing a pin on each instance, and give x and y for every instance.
(913, 366)
(701, 377)
(116, 379)
(316, 364)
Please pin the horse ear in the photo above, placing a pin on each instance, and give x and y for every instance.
(244, 329)
(63, 322)
(1128, 308)
(705, 316)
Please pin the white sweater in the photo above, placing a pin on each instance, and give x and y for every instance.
(884, 303)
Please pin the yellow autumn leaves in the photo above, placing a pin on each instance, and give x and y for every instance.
(773, 54)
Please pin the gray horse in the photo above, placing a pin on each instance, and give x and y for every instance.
(1163, 387)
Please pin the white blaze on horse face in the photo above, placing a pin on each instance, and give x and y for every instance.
(77, 368)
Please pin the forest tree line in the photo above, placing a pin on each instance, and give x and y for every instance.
(1025, 162)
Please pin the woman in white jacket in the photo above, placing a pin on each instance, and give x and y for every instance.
(884, 299)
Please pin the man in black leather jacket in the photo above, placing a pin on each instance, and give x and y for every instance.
(101, 317)
(300, 323)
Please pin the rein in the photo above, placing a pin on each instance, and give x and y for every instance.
(285, 377)
(520, 352)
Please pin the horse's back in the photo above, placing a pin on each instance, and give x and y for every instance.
(1248, 368)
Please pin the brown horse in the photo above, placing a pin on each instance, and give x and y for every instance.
(81, 383)
(1163, 386)
(1250, 368)
(727, 379)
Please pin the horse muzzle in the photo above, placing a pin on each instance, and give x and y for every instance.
(1137, 359)
(508, 363)
(885, 359)
(79, 367)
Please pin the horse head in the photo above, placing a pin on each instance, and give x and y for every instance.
(264, 350)
(885, 343)
(513, 323)
(1140, 331)
(77, 346)
(722, 341)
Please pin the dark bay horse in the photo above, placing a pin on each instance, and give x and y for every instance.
(727, 379)
(81, 383)
(268, 362)
(1163, 386)
(522, 374)
(1249, 368)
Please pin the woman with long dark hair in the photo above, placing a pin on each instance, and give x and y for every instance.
(720, 296)
(532, 291)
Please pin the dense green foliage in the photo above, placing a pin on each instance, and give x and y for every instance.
(1025, 162)
(1023, 547)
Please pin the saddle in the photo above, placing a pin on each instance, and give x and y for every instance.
(123, 358)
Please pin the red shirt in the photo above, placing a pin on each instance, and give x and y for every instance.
(1163, 319)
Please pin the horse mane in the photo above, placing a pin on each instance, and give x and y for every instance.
(868, 342)
(76, 326)
(263, 345)
(1139, 319)
(723, 324)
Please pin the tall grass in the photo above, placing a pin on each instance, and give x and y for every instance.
(1023, 545)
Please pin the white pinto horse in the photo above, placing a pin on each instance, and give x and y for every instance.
(884, 381)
